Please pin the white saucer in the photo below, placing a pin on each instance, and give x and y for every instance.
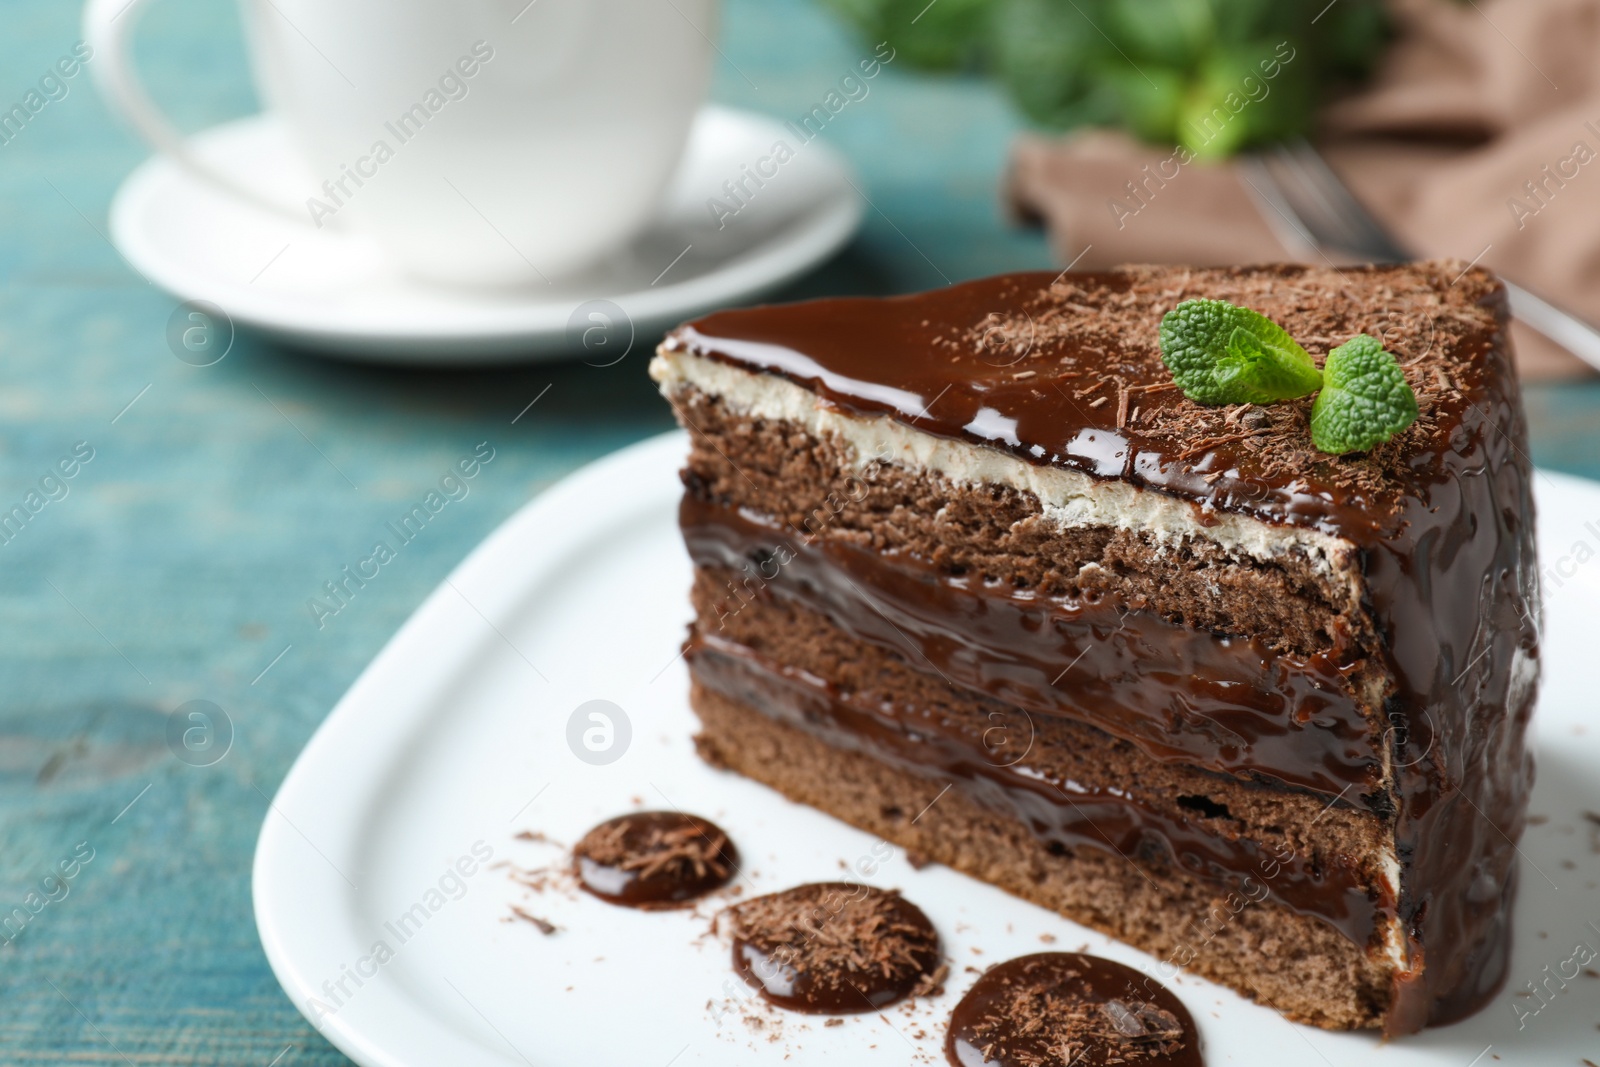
(333, 290)
(468, 729)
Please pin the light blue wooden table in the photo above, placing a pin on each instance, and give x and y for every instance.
(178, 563)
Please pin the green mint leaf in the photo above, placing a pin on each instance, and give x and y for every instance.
(1255, 374)
(1219, 353)
(1364, 400)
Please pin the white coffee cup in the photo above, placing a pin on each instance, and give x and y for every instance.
(481, 142)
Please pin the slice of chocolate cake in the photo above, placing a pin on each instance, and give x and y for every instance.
(973, 574)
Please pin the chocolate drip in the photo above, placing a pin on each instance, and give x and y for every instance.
(654, 859)
(1065, 371)
(833, 948)
(1068, 1008)
(1061, 811)
(1180, 695)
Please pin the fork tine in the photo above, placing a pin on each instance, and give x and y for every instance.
(1277, 210)
(1323, 213)
(1322, 216)
(1361, 232)
(1313, 223)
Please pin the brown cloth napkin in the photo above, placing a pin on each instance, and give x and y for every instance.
(1478, 138)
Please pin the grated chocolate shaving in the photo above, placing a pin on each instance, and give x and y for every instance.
(545, 926)
(840, 943)
(1438, 318)
(1137, 1033)
(683, 849)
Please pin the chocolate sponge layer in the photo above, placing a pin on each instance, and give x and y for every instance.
(997, 598)
(1290, 962)
(802, 689)
(1079, 784)
(814, 486)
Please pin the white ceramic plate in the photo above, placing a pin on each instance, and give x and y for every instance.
(333, 290)
(456, 737)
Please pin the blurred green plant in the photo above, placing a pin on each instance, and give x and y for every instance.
(1214, 76)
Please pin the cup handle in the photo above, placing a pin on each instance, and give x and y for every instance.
(107, 25)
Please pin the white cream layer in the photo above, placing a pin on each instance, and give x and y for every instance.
(1069, 498)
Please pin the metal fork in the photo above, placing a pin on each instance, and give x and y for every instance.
(1309, 205)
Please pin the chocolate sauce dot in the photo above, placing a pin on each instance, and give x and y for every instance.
(1055, 1008)
(832, 948)
(654, 859)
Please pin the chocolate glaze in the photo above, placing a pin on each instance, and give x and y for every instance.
(1180, 695)
(1058, 1008)
(1059, 810)
(1065, 371)
(654, 859)
(835, 948)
